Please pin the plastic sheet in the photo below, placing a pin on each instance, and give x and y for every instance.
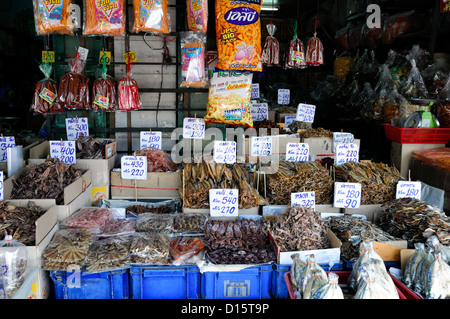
(150, 248)
(13, 261)
(104, 93)
(331, 290)
(186, 250)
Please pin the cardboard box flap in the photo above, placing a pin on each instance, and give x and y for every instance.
(390, 250)
(405, 254)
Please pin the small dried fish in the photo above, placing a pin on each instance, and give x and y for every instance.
(150, 248)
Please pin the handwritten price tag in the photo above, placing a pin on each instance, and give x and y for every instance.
(347, 152)
(261, 146)
(347, 195)
(284, 96)
(151, 139)
(105, 56)
(6, 142)
(409, 189)
(288, 120)
(304, 199)
(1, 185)
(193, 128)
(133, 167)
(260, 111)
(306, 112)
(255, 91)
(225, 152)
(342, 138)
(63, 150)
(76, 126)
(297, 152)
(223, 202)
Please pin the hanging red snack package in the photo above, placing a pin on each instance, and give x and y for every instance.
(271, 49)
(314, 49)
(52, 17)
(45, 92)
(295, 54)
(106, 17)
(197, 15)
(104, 93)
(128, 92)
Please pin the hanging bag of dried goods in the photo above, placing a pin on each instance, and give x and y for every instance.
(295, 53)
(104, 17)
(193, 66)
(238, 35)
(73, 90)
(314, 49)
(104, 92)
(443, 107)
(414, 85)
(45, 92)
(271, 49)
(128, 92)
(229, 98)
(435, 76)
(150, 16)
(197, 15)
(52, 17)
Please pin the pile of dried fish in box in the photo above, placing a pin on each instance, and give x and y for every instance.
(316, 132)
(198, 179)
(292, 177)
(161, 223)
(415, 221)
(150, 248)
(89, 148)
(269, 126)
(157, 160)
(298, 228)
(106, 254)
(45, 181)
(378, 180)
(237, 242)
(20, 222)
(141, 209)
(352, 231)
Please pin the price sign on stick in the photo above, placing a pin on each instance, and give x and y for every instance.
(133, 167)
(6, 142)
(151, 139)
(261, 146)
(305, 113)
(223, 202)
(409, 189)
(1, 185)
(340, 137)
(284, 96)
(255, 91)
(260, 111)
(346, 152)
(76, 126)
(225, 152)
(193, 128)
(347, 195)
(304, 199)
(65, 151)
(288, 120)
(297, 152)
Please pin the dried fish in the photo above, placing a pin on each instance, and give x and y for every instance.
(372, 286)
(437, 283)
(317, 132)
(189, 223)
(109, 254)
(314, 282)
(186, 250)
(157, 160)
(92, 218)
(410, 270)
(155, 223)
(331, 290)
(141, 209)
(150, 248)
(87, 147)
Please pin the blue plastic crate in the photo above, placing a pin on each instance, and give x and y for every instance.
(87, 285)
(279, 288)
(165, 282)
(249, 283)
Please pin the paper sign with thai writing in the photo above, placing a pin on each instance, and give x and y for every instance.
(225, 152)
(284, 96)
(339, 137)
(65, 151)
(346, 152)
(260, 111)
(133, 167)
(306, 112)
(409, 189)
(261, 146)
(255, 91)
(347, 195)
(297, 152)
(6, 142)
(223, 202)
(1, 185)
(76, 126)
(150, 139)
(193, 128)
(304, 199)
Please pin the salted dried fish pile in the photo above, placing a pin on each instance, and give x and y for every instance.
(352, 230)
(237, 242)
(68, 247)
(45, 181)
(415, 221)
(157, 160)
(20, 222)
(316, 132)
(89, 148)
(269, 126)
(155, 223)
(115, 227)
(186, 250)
(150, 248)
(141, 209)
(378, 180)
(298, 228)
(108, 254)
(92, 218)
(299, 125)
(189, 223)
(198, 179)
(292, 177)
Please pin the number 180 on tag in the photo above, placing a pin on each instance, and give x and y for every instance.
(347, 195)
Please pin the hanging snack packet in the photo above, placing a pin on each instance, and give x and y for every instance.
(271, 49)
(128, 92)
(104, 93)
(197, 15)
(45, 92)
(229, 98)
(106, 17)
(52, 17)
(150, 16)
(238, 35)
(193, 68)
(295, 54)
(314, 49)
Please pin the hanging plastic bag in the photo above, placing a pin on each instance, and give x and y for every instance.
(197, 15)
(392, 105)
(366, 252)
(343, 66)
(314, 49)
(435, 77)
(296, 272)
(104, 92)
(410, 270)
(295, 53)
(128, 92)
(45, 93)
(437, 279)
(421, 56)
(52, 18)
(398, 65)
(330, 290)
(229, 98)
(106, 17)
(73, 89)
(193, 65)
(443, 107)
(414, 86)
(271, 48)
(238, 35)
(371, 286)
(150, 16)
(13, 263)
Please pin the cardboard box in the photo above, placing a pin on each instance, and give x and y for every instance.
(158, 185)
(390, 250)
(323, 256)
(322, 146)
(248, 211)
(279, 143)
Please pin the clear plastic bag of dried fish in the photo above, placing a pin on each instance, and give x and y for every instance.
(331, 290)
(92, 218)
(296, 273)
(155, 223)
(373, 286)
(150, 248)
(410, 269)
(437, 278)
(186, 250)
(118, 227)
(188, 223)
(13, 261)
(108, 254)
(313, 277)
(157, 160)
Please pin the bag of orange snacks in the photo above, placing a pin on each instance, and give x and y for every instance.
(150, 16)
(105, 17)
(52, 18)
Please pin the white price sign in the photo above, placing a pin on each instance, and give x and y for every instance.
(297, 152)
(342, 138)
(151, 139)
(1, 185)
(347, 195)
(225, 152)
(133, 167)
(409, 189)
(306, 112)
(255, 91)
(75, 127)
(260, 111)
(347, 152)
(284, 96)
(304, 199)
(261, 146)
(65, 151)
(6, 142)
(223, 202)
(193, 128)
(288, 120)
